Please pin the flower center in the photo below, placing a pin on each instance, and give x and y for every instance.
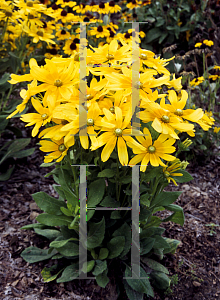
(29, 3)
(118, 132)
(100, 29)
(44, 116)
(138, 85)
(31, 17)
(58, 83)
(151, 149)
(166, 174)
(90, 122)
(89, 97)
(178, 112)
(8, 13)
(40, 33)
(73, 46)
(143, 56)
(64, 122)
(61, 148)
(63, 13)
(112, 109)
(112, 3)
(110, 56)
(165, 119)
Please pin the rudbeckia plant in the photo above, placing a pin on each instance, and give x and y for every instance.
(103, 164)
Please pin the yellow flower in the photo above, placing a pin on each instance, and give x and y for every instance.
(81, 8)
(175, 83)
(213, 77)
(113, 8)
(208, 43)
(57, 80)
(100, 32)
(217, 67)
(206, 121)
(177, 107)
(149, 151)
(117, 131)
(134, 4)
(198, 45)
(171, 170)
(197, 81)
(216, 129)
(58, 149)
(111, 54)
(39, 119)
(62, 35)
(39, 34)
(164, 121)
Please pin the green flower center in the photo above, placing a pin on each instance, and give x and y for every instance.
(89, 97)
(110, 56)
(112, 109)
(90, 122)
(118, 132)
(30, 4)
(138, 85)
(143, 56)
(40, 33)
(178, 112)
(58, 83)
(166, 174)
(44, 116)
(62, 148)
(151, 149)
(165, 119)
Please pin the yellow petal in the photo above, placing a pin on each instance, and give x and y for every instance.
(109, 147)
(122, 151)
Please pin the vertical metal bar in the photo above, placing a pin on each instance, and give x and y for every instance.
(135, 79)
(82, 222)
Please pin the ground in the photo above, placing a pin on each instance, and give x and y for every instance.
(196, 263)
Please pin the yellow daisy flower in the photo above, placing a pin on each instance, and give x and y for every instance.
(100, 32)
(39, 119)
(149, 151)
(172, 170)
(58, 149)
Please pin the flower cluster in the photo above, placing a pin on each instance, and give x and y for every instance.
(104, 117)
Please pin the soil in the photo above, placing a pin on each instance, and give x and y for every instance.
(196, 261)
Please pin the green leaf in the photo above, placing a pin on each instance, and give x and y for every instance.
(185, 178)
(52, 220)
(160, 242)
(15, 147)
(96, 191)
(124, 230)
(108, 201)
(152, 35)
(66, 212)
(4, 78)
(61, 243)
(45, 165)
(146, 245)
(151, 231)
(107, 173)
(35, 225)
(165, 198)
(24, 153)
(34, 254)
(50, 234)
(96, 234)
(103, 253)
(99, 267)
(139, 285)
(5, 176)
(160, 280)
(116, 246)
(102, 279)
(154, 265)
(88, 266)
(69, 249)
(115, 215)
(162, 37)
(173, 245)
(70, 273)
(132, 294)
(48, 204)
(46, 274)
(178, 215)
(90, 213)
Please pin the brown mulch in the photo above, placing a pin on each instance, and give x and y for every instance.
(196, 262)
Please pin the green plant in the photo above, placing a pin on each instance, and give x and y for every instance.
(212, 226)
(173, 281)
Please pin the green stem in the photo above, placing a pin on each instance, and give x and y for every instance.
(74, 176)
